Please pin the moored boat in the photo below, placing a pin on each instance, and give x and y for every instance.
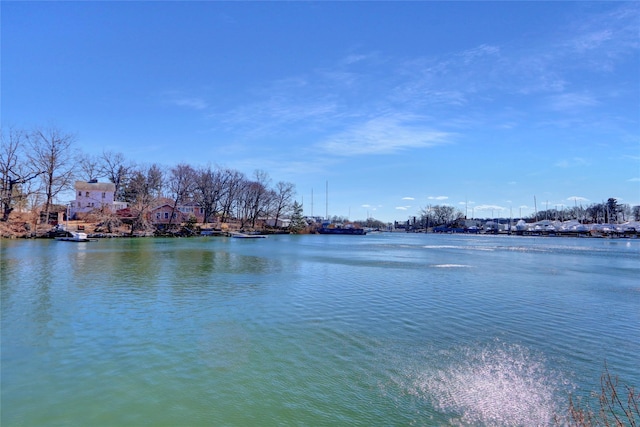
(348, 229)
(73, 237)
(248, 236)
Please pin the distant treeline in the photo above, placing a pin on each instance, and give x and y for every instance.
(596, 213)
(37, 165)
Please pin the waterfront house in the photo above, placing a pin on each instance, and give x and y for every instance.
(282, 222)
(94, 196)
(165, 214)
(192, 209)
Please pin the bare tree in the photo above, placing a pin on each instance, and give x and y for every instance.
(234, 181)
(282, 196)
(115, 167)
(596, 213)
(259, 195)
(625, 211)
(209, 190)
(249, 192)
(14, 171)
(440, 215)
(50, 154)
(180, 185)
(89, 167)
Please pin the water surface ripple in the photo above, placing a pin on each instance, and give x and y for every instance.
(382, 329)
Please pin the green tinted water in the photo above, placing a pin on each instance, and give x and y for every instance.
(312, 330)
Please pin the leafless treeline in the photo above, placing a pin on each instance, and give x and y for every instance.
(595, 213)
(36, 166)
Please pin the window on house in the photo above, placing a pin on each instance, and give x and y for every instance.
(104, 195)
(80, 193)
(166, 215)
(157, 215)
(86, 194)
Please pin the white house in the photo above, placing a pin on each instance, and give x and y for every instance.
(282, 222)
(94, 196)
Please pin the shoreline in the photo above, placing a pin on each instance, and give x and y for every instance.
(546, 234)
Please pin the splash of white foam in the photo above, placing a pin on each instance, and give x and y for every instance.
(499, 385)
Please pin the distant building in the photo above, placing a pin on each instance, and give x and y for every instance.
(282, 222)
(192, 209)
(94, 196)
(165, 214)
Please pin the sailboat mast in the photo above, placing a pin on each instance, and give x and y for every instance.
(327, 201)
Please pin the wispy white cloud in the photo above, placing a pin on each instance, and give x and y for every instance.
(573, 162)
(471, 79)
(568, 102)
(577, 199)
(489, 208)
(408, 198)
(592, 40)
(482, 51)
(402, 208)
(180, 99)
(438, 197)
(601, 38)
(355, 58)
(634, 179)
(383, 135)
(194, 103)
(345, 106)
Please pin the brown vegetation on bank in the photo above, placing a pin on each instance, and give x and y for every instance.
(26, 225)
(616, 405)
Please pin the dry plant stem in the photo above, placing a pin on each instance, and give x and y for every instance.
(611, 408)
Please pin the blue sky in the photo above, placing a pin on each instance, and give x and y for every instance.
(397, 105)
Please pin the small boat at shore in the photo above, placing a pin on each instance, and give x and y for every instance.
(248, 236)
(348, 229)
(73, 237)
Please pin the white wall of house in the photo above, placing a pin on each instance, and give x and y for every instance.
(92, 196)
(282, 223)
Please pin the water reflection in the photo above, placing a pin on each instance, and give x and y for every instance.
(306, 329)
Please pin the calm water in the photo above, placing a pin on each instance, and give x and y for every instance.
(383, 329)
